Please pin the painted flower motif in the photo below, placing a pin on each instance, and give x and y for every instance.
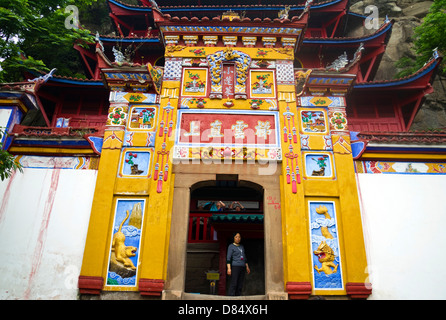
(339, 120)
(130, 159)
(198, 52)
(261, 53)
(116, 116)
(321, 161)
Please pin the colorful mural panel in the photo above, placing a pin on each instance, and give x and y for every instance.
(135, 162)
(125, 242)
(262, 84)
(313, 121)
(219, 153)
(194, 82)
(142, 118)
(389, 167)
(325, 252)
(49, 162)
(324, 101)
(319, 165)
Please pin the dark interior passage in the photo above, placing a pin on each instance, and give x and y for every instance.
(210, 233)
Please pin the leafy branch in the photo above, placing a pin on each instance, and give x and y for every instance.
(430, 35)
(7, 161)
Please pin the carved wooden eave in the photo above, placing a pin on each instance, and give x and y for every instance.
(410, 146)
(335, 79)
(406, 95)
(374, 49)
(376, 39)
(421, 79)
(284, 32)
(126, 76)
(21, 94)
(322, 82)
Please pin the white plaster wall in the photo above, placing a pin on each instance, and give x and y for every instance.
(44, 215)
(404, 221)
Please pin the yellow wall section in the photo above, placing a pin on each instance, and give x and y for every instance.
(99, 229)
(350, 219)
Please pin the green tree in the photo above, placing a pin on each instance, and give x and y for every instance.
(34, 37)
(7, 162)
(430, 35)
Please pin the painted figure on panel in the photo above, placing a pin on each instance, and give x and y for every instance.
(122, 253)
(125, 243)
(322, 210)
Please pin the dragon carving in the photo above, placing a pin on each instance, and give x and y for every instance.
(324, 252)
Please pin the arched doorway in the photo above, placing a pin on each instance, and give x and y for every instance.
(210, 233)
(190, 177)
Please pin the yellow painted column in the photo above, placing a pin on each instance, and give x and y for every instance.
(96, 249)
(294, 220)
(352, 230)
(156, 235)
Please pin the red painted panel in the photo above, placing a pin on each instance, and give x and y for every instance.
(222, 128)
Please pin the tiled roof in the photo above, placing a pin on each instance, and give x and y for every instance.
(386, 27)
(115, 39)
(428, 67)
(297, 6)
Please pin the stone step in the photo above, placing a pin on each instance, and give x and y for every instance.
(194, 296)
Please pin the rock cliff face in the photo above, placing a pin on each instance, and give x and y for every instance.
(408, 14)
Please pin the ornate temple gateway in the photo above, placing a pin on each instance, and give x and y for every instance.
(263, 105)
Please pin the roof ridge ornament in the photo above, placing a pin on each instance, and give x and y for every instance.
(283, 14)
(230, 15)
(435, 54)
(98, 40)
(308, 4)
(119, 56)
(154, 5)
(342, 61)
(339, 63)
(45, 77)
